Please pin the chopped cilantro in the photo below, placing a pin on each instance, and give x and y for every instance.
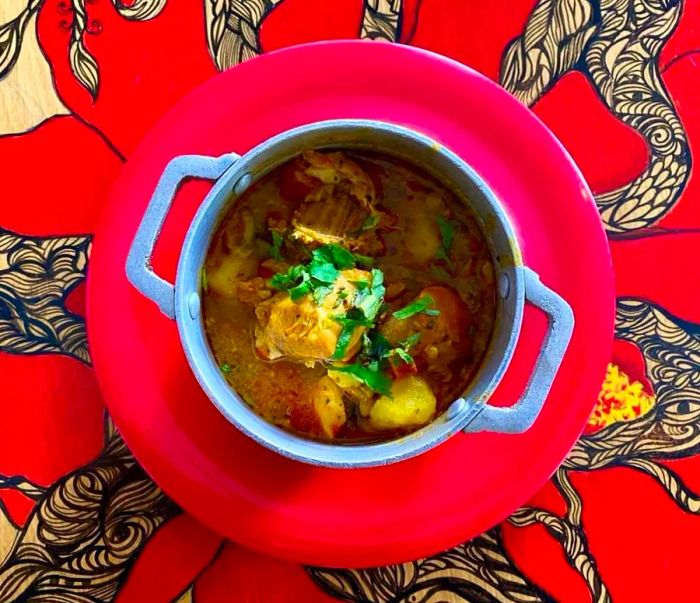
(361, 285)
(225, 368)
(371, 376)
(371, 302)
(334, 254)
(375, 345)
(370, 306)
(370, 222)
(302, 288)
(288, 279)
(323, 271)
(439, 272)
(373, 366)
(353, 317)
(404, 355)
(365, 260)
(447, 234)
(317, 276)
(276, 249)
(341, 346)
(410, 341)
(421, 305)
(320, 294)
(350, 321)
(377, 279)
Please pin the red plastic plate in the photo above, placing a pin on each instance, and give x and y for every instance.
(370, 516)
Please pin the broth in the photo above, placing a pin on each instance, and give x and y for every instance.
(349, 296)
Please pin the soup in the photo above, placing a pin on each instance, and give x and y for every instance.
(348, 296)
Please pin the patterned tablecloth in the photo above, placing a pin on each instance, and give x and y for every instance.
(80, 83)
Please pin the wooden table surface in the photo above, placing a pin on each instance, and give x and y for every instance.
(81, 81)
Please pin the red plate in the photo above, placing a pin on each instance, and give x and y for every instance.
(332, 516)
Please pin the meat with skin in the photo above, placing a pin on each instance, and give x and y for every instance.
(343, 198)
(305, 331)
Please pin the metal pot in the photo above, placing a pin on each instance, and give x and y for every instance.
(516, 285)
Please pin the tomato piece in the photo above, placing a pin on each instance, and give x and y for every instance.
(454, 314)
(303, 418)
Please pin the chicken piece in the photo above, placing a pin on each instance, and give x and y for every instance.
(327, 222)
(443, 338)
(302, 330)
(328, 404)
(342, 175)
(339, 205)
(412, 403)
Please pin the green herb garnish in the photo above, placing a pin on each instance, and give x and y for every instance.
(300, 290)
(334, 254)
(341, 346)
(370, 302)
(439, 272)
(370, 222)
(371, 376)
(323, 271)
(367, 302)
(225, 368)
(353, 317)
(364, 260)
(361, 285)
(286, 280)
(375, 345)
(421, 305)
(320, 293)
(276, 249)
(350, 321)
(404, 355)
(410, 341)
(447, 234)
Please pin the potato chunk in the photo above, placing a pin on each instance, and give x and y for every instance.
(421, 231)
(328, 404)
(412, 404)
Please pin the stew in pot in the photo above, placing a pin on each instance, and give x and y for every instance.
(349, 296)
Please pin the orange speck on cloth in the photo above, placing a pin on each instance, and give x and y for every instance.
(619, 400)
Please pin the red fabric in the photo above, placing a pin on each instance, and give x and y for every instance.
(55, 178)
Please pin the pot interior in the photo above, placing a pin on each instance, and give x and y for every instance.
(407, 146)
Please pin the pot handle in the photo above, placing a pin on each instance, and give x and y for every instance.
(521, 416)
(138, 264)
